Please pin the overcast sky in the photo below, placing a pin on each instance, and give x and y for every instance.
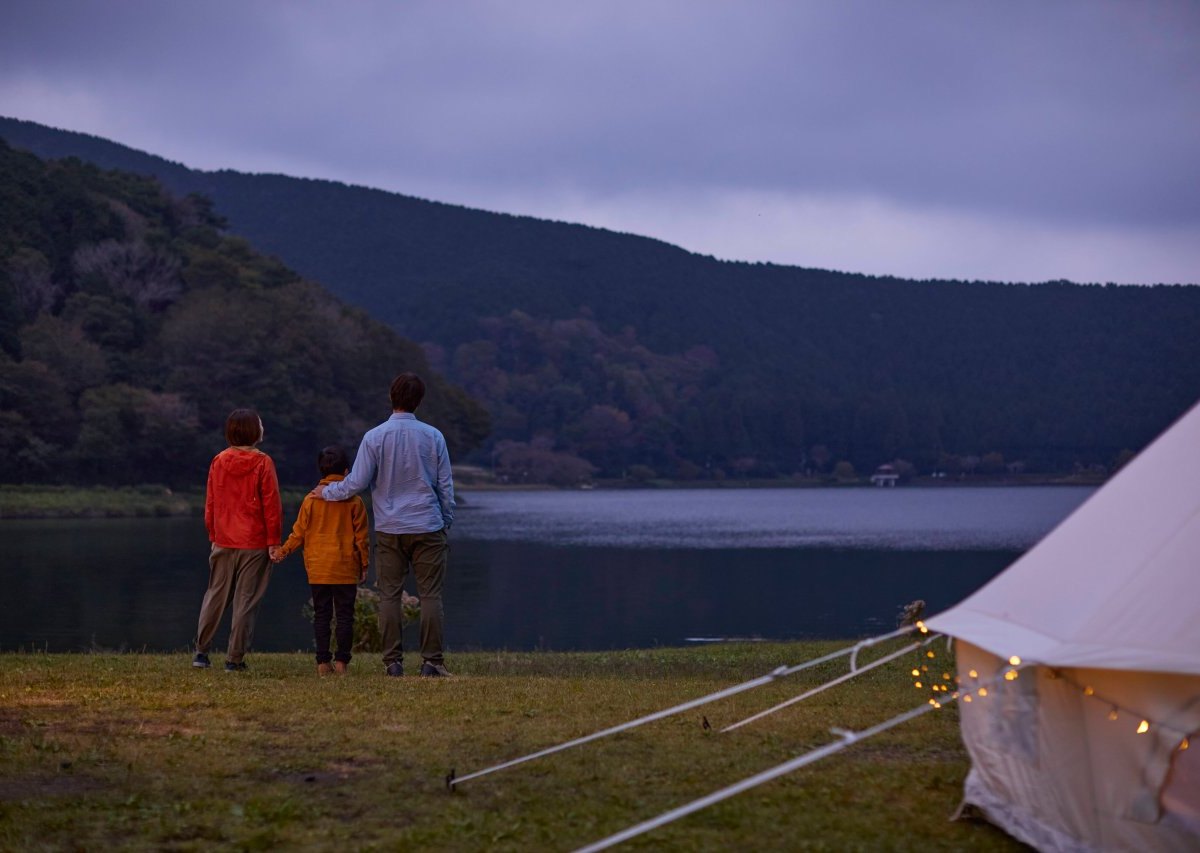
(1016, 141)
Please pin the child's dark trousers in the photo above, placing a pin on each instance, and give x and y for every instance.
(333, 601)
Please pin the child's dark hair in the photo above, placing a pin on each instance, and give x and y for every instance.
(332, 460)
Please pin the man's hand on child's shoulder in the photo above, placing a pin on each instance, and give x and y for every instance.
(319, 492)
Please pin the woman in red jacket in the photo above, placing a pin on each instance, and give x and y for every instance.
(243, 514)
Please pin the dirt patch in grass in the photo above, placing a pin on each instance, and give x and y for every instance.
(39, 787)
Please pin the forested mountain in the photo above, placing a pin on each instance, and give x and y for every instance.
(131, 324)
(622, 350)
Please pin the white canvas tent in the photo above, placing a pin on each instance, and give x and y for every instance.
(1106, 612)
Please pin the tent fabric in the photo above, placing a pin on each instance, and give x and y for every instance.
(1113, 585)
(1089, 748)
(1052, 768)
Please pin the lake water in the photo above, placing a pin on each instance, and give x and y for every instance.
(567, 570)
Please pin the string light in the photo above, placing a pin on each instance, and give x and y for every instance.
(921, 627)
(1115, 710)
(1012, 674)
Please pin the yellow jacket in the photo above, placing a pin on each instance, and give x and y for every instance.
(335, 537)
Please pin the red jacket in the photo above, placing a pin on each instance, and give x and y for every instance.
(242, 507)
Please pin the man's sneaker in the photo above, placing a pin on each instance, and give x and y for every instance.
(434, 670)
(395, 669)
(201, 661)
(230, 666)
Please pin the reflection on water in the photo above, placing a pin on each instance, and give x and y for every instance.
(566, 570)
(906, 519)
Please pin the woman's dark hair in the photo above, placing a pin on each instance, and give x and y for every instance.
(243, 428)
(332, 460)
(408, 390)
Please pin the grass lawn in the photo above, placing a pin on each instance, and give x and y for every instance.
(140, 751)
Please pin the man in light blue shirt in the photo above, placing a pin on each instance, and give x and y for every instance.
(405, 464)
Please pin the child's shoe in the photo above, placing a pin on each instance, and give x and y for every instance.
(324, 669)
(339, 666)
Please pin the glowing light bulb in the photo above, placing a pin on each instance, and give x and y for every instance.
(917, 684)
(983, 691)
(1011, 675)
(1183, 745)
(1143, 727)
(1087, 691)
(916, 672)
(921, 627)
(1112, 715)
(967, 698)
(929, 653)
(945, 676)
(1014, 660)
(973, 674)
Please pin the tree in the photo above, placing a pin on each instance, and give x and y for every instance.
(844, 472)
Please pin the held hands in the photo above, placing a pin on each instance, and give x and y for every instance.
(276, 553)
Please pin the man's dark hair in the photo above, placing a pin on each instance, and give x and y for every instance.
(332, 460)
(243, 428)
(408, 390)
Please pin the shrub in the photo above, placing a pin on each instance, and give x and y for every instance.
(367, 637)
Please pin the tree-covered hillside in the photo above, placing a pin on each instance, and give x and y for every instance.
(621, 350)
(131, 324)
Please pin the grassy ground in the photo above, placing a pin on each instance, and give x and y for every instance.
(95, 502)
(148, 501)
(143, 752)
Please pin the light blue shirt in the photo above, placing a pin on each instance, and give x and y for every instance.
(405, 464)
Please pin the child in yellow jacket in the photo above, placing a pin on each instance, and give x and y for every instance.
(335, 537)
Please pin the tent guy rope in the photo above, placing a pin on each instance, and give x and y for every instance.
(854, 672)
(453, 781)
(846, 738)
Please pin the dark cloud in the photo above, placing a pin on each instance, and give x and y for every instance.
(1073, 114)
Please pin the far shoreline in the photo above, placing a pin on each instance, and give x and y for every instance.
(49, 502)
